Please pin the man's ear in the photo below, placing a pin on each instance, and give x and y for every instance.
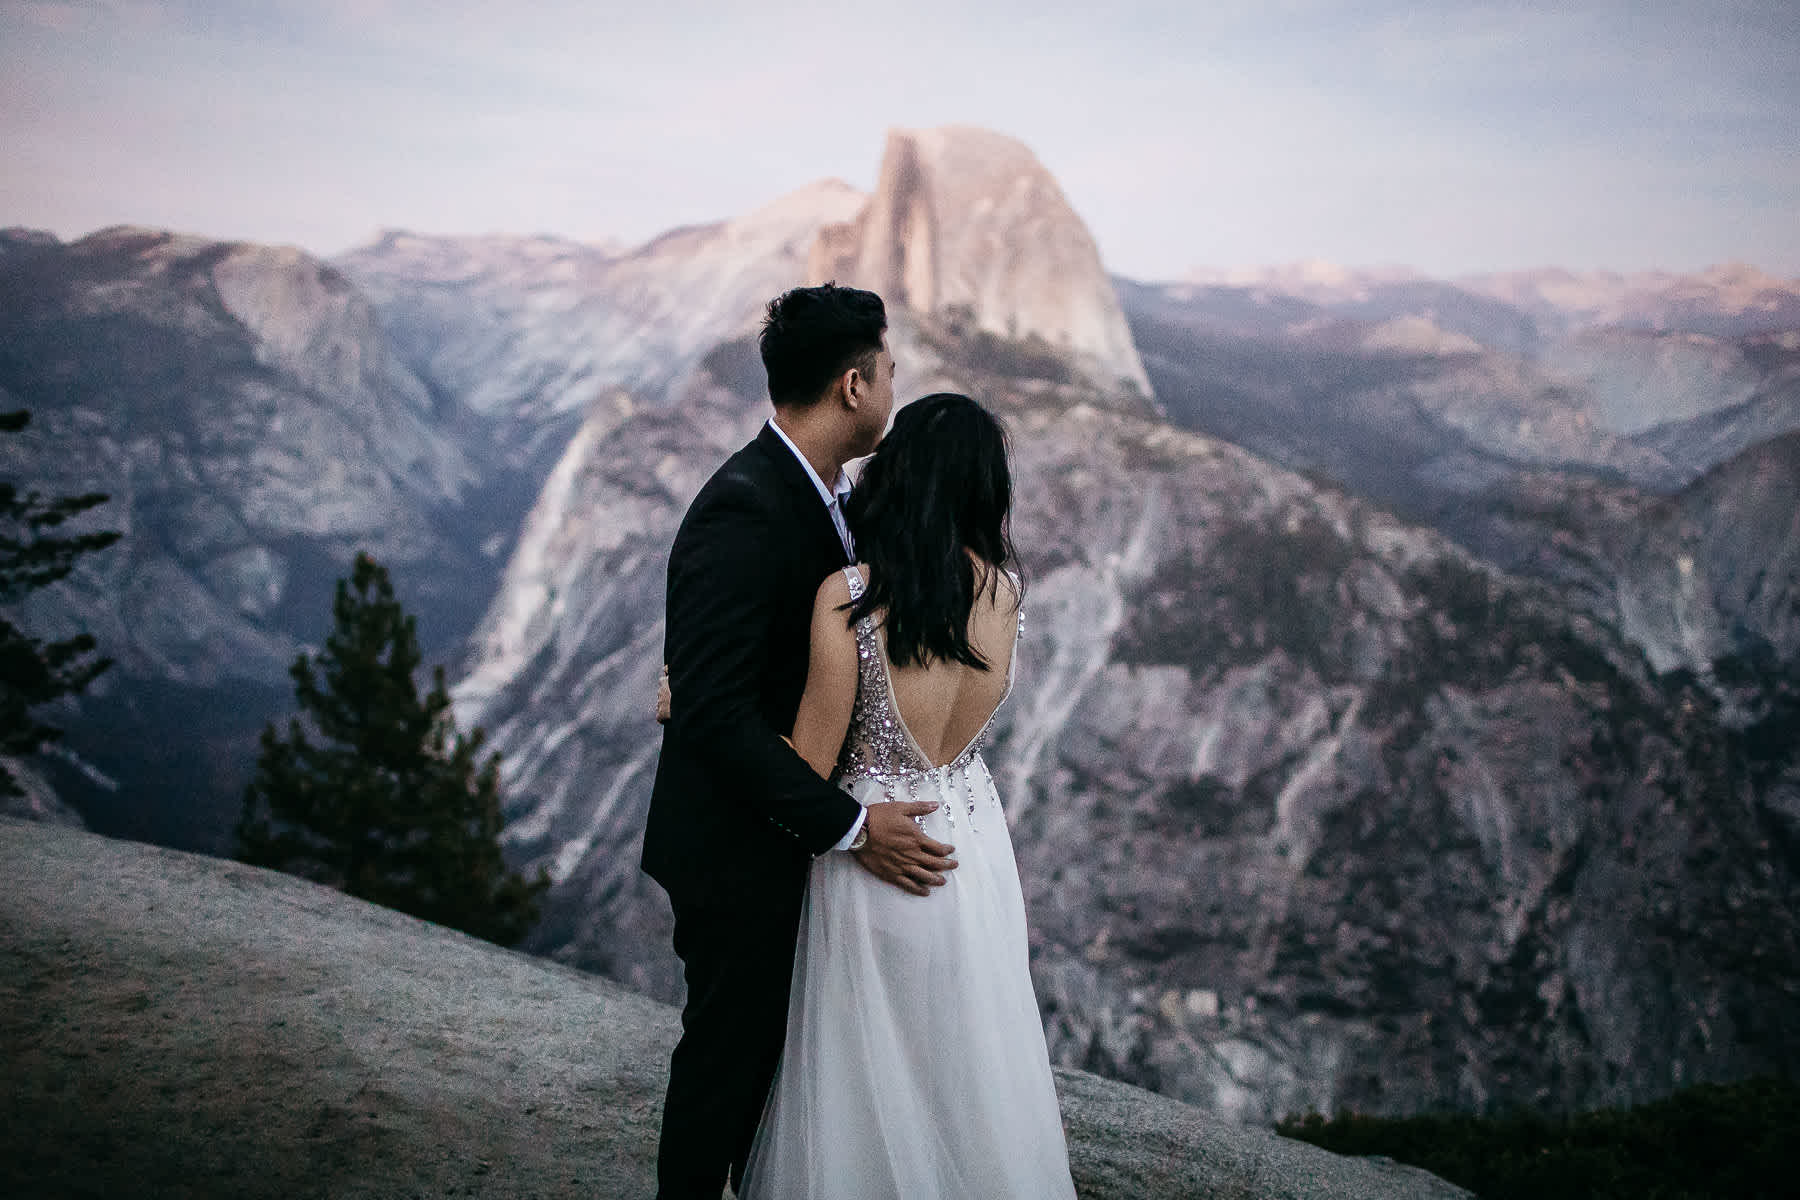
(850, 385)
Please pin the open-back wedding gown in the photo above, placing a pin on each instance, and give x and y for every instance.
(915, 1065)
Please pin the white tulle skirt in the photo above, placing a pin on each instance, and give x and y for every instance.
(915, 1063)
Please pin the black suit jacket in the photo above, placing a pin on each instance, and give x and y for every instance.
(735, 810)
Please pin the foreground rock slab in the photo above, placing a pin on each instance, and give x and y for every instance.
(182, 1026)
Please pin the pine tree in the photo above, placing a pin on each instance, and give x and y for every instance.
(392, 803)
(34, 672)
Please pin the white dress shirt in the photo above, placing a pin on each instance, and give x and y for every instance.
(833, 498)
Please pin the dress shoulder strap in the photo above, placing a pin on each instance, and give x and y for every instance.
(854, 578)
(1012, 663)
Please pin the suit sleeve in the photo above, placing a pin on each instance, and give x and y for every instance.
(723, 576)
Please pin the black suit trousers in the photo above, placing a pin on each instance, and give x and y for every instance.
(738, 960)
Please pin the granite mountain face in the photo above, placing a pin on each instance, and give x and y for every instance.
(239, 403)
(1551, 462)
(1372, 745)
(1313, 808)
(578, 617)
(535, 331)
(253, 426)
(1708, 573)
(1316, 807)
(258, 415)
(1456, 385)
(967, 224)
(532, 331)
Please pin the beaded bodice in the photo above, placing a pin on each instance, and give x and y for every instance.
(878, 745)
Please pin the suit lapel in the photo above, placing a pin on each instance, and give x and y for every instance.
(814, 518)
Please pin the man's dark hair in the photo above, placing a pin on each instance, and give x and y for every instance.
(811, 335)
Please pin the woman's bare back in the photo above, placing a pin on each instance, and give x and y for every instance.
(945, 704)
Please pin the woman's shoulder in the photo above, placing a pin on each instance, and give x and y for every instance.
(1001, 583)
(834, 589)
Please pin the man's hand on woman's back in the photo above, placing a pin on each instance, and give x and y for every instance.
(899, 852)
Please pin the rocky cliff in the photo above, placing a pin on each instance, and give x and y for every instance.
(1398, 389)
(966, 224)
(1709, 573)
(1314, 809)
(1563, 464)
(249, 418)
(242, 406)
(532, 331)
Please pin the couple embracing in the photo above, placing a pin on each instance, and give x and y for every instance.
(860, 1022)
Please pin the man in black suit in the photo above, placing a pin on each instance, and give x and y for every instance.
(736, 815)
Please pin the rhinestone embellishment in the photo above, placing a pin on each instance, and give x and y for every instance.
(878, 746)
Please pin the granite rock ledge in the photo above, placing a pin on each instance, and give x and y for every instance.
(185, 1025)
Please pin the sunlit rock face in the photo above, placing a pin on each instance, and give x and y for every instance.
(966, 225)
(1312, 808)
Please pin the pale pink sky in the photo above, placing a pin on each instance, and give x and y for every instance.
(1469, 136)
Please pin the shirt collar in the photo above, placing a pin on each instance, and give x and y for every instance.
(830, 495)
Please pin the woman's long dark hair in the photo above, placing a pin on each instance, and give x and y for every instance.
(937, 486)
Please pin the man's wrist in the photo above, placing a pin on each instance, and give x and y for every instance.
(857, 835)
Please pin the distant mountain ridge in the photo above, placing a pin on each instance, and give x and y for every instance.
(531, 331)
(1459, 411)
(1726, 300)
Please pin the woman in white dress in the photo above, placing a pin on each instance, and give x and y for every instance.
(915, 1065)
